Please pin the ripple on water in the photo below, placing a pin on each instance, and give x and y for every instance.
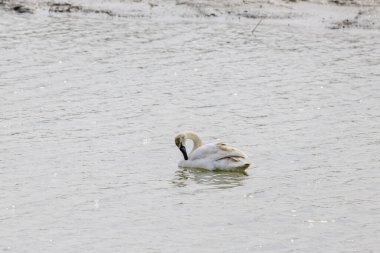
(90, 106)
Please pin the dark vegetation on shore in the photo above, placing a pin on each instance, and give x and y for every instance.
(249, 9)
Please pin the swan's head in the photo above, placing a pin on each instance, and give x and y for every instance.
(180, 143)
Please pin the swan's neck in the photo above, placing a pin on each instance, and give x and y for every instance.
(196, 140)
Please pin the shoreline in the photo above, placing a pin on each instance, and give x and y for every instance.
(333, 14)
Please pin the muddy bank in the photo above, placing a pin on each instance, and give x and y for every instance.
(334, 14)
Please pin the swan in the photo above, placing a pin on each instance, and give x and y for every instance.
(212, 156)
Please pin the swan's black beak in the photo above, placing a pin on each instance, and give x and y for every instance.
(183, 150)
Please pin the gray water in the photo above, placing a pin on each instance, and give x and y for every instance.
(90, 105)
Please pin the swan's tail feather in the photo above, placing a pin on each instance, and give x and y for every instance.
(231, 163)
(244, 166)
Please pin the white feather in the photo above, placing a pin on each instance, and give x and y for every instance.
(213, 156)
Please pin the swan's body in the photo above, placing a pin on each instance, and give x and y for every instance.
(213, 156)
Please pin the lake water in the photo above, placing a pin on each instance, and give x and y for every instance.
(90, 105)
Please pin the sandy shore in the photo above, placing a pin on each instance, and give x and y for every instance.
(334, 14)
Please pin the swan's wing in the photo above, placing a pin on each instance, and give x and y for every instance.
(217, 156)
(218, 151)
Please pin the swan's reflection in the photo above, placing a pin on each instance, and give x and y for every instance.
(214, 179)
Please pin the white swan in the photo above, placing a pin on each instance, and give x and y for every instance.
(213, 156)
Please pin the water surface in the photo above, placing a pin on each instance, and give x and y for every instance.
(90, 105)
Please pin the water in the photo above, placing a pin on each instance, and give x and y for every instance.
(90, 106)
